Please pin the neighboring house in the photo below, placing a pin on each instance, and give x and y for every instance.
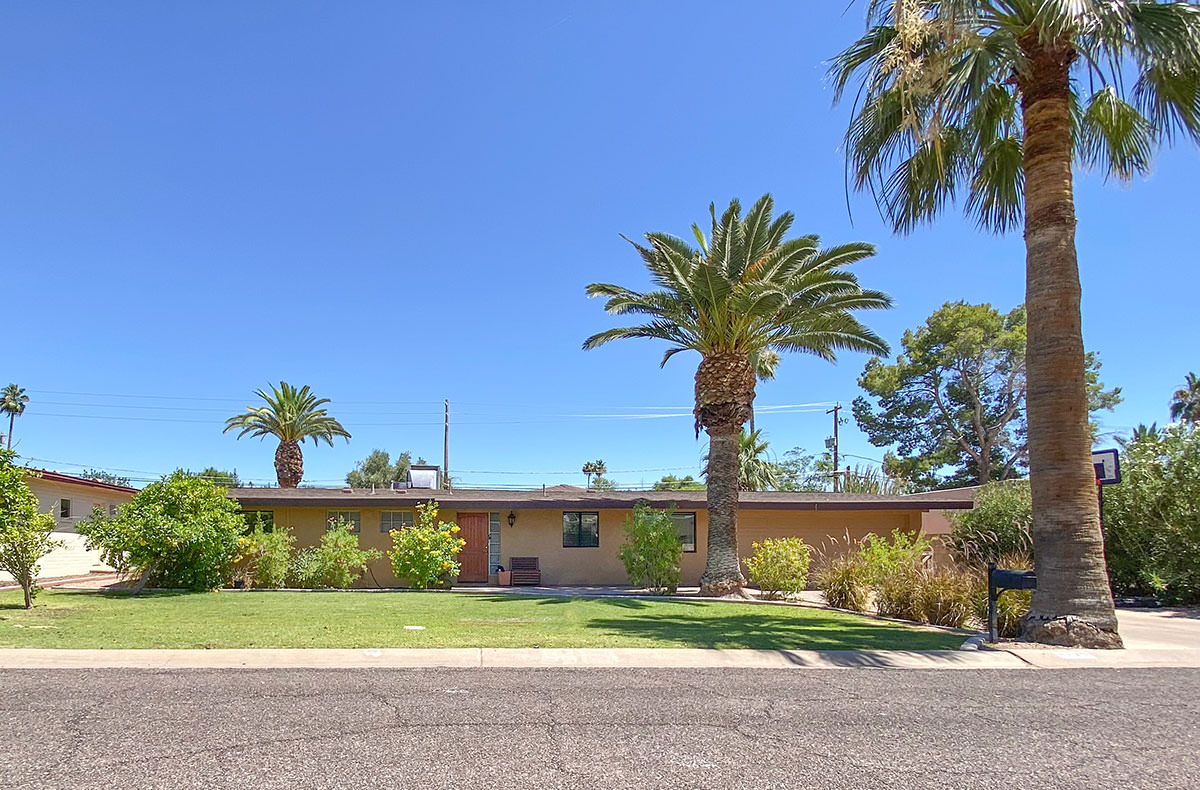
(71, 499)
(576, 533)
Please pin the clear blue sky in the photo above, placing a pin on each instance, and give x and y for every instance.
(398, 203)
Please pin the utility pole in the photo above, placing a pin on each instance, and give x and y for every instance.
(446, 449)
(834, 411)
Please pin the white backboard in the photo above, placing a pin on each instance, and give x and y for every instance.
(1108, 468)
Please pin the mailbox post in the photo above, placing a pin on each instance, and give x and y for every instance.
(999, 581)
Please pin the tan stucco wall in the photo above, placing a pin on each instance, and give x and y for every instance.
(538, 533)
(83, 499)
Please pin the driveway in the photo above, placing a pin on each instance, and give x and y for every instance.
(628, 728)
(1160, 628)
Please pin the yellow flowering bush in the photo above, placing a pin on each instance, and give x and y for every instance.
(779, 567)
(427, 552)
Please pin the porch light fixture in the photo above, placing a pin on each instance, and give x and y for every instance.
(512, 518)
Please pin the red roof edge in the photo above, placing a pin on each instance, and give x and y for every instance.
(59, 477)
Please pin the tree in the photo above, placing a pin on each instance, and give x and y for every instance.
(602, 483)
(291, 415)
(378, 471)
(101, 476)
(593, 468)
(756, 471)
(744, 290)
(181, 531)
(225, 478)
(1185, 403)
(1141, 433)
(982, 101)
(673, 483)
(12, 403)
(1151, 520)
(955, 398)
(870, 480)
(24, 532)
(801, 471)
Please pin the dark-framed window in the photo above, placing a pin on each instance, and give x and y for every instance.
(352, 517)
(685, 528)
(64, 508)
(581, 530)
(395, 519)
(255, 517)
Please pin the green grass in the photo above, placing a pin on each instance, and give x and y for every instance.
(72, 619)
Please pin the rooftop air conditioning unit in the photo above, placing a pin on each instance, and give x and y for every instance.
(424, 476)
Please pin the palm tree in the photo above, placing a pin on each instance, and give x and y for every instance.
(743, 291)
(984, 100)
(756, 471)
(12, 403)
(292, 415)
(1185, 403)
(1141, 433)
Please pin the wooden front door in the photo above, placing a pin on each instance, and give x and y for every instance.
(474, 556)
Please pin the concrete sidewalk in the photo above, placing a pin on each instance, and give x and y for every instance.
(663, 658)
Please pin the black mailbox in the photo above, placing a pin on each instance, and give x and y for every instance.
(999, 581)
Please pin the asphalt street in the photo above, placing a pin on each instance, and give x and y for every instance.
(597, 728)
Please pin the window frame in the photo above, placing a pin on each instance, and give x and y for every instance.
(579, 529)
(353, 516)
(691, 513)
(412, 519)
(64, 507)
(269, 522)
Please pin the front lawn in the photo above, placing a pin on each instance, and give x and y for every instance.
(76, 619)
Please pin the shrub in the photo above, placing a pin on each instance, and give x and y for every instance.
(1152, 518)
(997, 524)
(652, 551)
(842, 580)
(427, 552)
(181, 531)
(24, 532)
(945, 596)
(779, 567)
(336, 563)
(883, 558)
(266, 557)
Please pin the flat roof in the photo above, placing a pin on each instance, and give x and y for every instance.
(558, 497)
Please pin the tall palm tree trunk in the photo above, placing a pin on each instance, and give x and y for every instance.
(723, 569)
(724, 401)
(289, 464)
(1073, 604)
(11, 416)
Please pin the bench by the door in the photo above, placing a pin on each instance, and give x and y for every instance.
(525, 570)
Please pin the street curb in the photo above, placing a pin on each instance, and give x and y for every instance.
(591, 658)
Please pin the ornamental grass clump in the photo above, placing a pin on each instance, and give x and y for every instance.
(652, 550)
(842, 580)
(779, 567)
(945, 596)
(426, 554)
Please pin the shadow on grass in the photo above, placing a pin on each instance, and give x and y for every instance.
(617, 602)
(771, 632)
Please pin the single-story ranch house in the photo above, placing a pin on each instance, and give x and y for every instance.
(71, 499)
(575, 533)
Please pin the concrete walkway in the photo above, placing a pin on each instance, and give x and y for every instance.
(591, 658)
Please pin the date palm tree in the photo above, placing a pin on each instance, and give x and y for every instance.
(993, 102)
(12, 403)
(291, 415)
(743, 291)
(1185, 403)
(756, 471)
